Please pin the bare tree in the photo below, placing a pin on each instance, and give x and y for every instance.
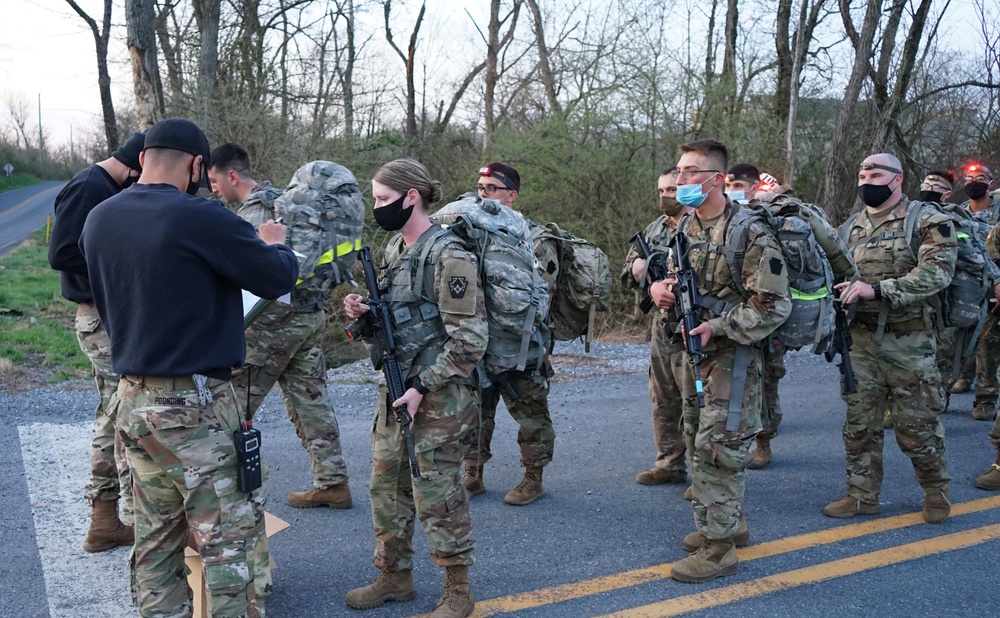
(409, 60)
(140, 22)
(207, 14)
(863, 48)
(101, 37)
(544, 65)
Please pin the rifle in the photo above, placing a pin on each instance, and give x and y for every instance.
(841, 344)
(686, 291)
(375, 324)
(655, 269)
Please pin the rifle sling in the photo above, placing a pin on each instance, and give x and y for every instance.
(737, 389)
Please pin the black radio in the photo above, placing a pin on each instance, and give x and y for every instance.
(248, 472)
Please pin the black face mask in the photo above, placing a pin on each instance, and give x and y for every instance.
(192, 188)
(129, 181)
(976, 190)
(874, 195)
(392, 217)
(931, 196)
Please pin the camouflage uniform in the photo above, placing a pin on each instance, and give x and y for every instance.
(284, 346)
(671, 382)
(843, 268)
(184, 461)
(720, 456)
(109, 471)
(440, 329)
(988, 348)
(897, 369)
(536, 436)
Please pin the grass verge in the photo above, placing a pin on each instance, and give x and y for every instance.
(16, 181)
(36, 322)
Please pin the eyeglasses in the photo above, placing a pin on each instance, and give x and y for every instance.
(489, 190)
(979, 178)
(687, 174)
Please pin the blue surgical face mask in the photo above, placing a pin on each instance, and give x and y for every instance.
(691, 195)
(737, 196)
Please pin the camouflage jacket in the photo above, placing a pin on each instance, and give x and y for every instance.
(985, 220)
(764, 277)
(305, 238)
(658, 235)
(438, 311)
(883, 255)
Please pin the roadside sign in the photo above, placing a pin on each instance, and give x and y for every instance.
(9, 169)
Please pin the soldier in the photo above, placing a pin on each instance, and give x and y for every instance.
(894, 343)
(671, 388)
(778, 197)
(985, 210)
(990, 480)
(536, 436)
(438, 357)
(109, 473)
(284, 344)
(167, 269)
(743, 313)
(742, 182)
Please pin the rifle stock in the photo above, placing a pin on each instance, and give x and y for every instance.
(376, 324)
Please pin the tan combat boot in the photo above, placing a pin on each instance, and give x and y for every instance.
(937, 505)
(457, 601)
(473, 480)
(763, 456)
(741, 537)
(689, 493)
(659, 476)
(335, 497)
(983, 410)
(713, 559)
(528, 490)
(106, 530)
(990, 480)
(389, 586)
(849, 506)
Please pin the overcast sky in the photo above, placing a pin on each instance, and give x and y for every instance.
(47, 50)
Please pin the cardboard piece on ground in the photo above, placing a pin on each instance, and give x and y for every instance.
(272, 526)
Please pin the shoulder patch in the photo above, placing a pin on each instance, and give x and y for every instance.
(944, 230)
(459, 276)
(457, 286)
(776, 266)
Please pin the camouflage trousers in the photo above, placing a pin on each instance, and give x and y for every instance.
(184, 471)
(988, 362)
(535, 436)
(899, 373)
(286, 347)
(109, 473)
(672, 393)
(441, 431)
(774, 370)
(719, 457)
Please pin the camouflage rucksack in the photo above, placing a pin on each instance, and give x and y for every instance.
(583, 283)
(810, 277)
(323, 199)
(517, 299)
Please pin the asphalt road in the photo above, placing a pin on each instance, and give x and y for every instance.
(596, 544)
(22, 211)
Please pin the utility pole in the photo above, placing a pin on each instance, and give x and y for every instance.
(41, 146)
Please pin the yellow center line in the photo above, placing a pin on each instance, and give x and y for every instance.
(626, 579)
(27, 201)
(810, 575)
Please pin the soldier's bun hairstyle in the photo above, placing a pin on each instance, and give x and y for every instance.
(405, 174)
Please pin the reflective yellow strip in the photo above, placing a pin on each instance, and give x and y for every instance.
(963, 235)
(818, 295)
(342, 249)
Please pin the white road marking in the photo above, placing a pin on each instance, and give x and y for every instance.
(57, 468)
